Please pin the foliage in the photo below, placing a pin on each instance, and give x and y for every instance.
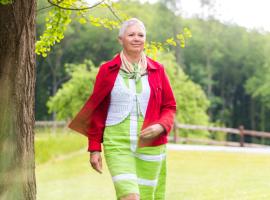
(57, 22)
(191, 99)
(258, 86)
(5, 2)
(73, 93)
(259, 83)
(192, 103)
(78, 44)
(229, 62)
(223, 64)
(60, 16)
(155, 47)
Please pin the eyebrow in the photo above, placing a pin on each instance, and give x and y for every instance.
(142, 33)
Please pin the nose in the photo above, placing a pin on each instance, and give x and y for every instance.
(137, 38)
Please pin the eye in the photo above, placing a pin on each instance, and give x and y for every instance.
(141, 35)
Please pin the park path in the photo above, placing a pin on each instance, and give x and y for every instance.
(188, 147)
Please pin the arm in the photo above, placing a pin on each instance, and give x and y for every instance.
(89, 119)
(97, 125)
(168, 104)
(167, 111)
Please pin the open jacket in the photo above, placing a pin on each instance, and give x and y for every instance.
(90, 121)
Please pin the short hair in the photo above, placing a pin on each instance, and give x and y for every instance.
(130, 22)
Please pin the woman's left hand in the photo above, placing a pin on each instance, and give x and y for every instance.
(151, 132)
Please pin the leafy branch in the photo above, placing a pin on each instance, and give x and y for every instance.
(60, 17)
(58, 4)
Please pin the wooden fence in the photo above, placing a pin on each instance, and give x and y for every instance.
(176, 136)
(240, 131)
(44, 124)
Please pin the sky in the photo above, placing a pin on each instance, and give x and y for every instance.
(248, 13)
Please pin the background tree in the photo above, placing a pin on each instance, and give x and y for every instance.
(233, 54)
(258, 85)
(73, 93)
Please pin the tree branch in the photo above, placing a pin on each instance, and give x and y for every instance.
(66, 78)
(78, 9)
(40, 9)
(113, 12)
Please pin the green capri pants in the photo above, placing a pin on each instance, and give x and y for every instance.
(134, 170)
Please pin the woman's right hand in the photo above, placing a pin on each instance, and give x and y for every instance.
(96, 161)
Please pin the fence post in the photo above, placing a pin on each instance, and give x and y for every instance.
(242, 135)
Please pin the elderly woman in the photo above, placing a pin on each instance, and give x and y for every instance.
(131, 111)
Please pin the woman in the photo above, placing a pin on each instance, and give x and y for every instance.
(131, 111)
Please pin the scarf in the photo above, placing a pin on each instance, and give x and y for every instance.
(133, 70)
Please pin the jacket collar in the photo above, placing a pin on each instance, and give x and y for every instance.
(115, 63)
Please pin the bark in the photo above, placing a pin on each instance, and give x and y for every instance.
(17, 85)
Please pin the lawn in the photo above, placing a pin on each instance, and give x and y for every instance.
(191, 175)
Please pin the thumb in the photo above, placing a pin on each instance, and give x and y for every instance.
(100, 164)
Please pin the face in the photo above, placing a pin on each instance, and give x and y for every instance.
(133, 39)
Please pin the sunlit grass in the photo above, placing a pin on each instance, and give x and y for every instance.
(50, 146)
(191, 176)
(218, 175)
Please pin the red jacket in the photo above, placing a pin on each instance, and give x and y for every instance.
(90, 121)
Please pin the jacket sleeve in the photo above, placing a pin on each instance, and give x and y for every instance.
(89, 118)
(168, 104)
(97, 125)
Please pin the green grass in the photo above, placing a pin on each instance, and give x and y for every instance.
(50, 146)
(191, 175)
(217, 175)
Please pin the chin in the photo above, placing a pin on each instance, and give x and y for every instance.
(137, 50)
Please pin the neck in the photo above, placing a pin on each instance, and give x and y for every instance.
(132, 57)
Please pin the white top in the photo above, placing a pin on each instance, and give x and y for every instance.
(124, 100)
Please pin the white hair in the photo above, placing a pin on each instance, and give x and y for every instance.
(128, 23)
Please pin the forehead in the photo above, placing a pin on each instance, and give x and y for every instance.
(134, 28)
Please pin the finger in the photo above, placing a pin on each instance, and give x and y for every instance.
(100, 163)
(93, 164)
(98, 170)
(146, 135)
(96, 167)
(144, 142)
(150, 135)
(146, 130)
(96, 162)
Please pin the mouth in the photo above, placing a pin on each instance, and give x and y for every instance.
(136, 45)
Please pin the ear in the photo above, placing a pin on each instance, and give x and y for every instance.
(120, 40)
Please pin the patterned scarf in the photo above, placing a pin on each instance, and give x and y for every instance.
(133, 70)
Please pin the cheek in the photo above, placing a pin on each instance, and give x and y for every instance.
(143, 41)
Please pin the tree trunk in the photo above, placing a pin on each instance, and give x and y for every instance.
(17, 87)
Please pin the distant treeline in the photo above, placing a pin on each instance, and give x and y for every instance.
(230, 63)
